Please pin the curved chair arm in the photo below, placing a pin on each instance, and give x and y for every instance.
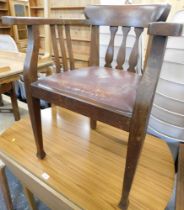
(9, 20)
(165, 29)
(148, 84)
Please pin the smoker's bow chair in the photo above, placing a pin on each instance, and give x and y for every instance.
(111, 95)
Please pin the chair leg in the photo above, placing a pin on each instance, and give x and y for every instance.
(1, 101)
(4, 187)
(30, 198)
(35, 116)
(14, 103)
(134, 148)
(93, 124)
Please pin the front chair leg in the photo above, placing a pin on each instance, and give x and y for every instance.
(134, 148)
(92, 124)
(35, 116)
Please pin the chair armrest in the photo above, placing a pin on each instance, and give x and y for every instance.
(160, 32)
(9, 20)
(165, 29)
(147, 87)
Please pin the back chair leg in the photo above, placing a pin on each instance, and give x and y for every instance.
(134, 148)
(35, 116)
(93, 124)
(14, 103)
(1, 100)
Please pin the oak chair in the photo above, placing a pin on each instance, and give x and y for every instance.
(111, 95)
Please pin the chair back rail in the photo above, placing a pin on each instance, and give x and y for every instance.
(60, 31)
(62, 50)
(127, 16)
(137, 17)
(62, 47)
(55, 48)
(122, 50)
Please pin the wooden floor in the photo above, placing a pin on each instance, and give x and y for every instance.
(86, 166)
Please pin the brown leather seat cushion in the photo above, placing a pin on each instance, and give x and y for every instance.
(115, 89)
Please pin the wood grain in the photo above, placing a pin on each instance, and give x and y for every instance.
(62, 47)
(55, 48)
(85, 166)
(69, 46)
(180, 179)
(110, 49)
(122, 49)
(4, 69)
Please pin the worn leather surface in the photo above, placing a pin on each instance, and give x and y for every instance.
(103, 86)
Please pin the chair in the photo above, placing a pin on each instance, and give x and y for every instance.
(119, 98)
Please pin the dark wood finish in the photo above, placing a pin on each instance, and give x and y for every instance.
(41, 21)
(5, 87)
(164, 29)
(30, 76)
(4, 187)
(62, 47)
(119, 98)
(10, 88)
(110, 50)
(140, 114)
(152, 12)
(1, 101)
(94, 58)
(55, 48)
(94, 46)
(122, 50)
(69, 47)
(134, 54)
(180, 179)
(14, 102)
(93, 123)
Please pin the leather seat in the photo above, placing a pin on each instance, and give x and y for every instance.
(103, 86)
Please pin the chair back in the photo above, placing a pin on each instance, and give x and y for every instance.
(126, 17)
(137, 17)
